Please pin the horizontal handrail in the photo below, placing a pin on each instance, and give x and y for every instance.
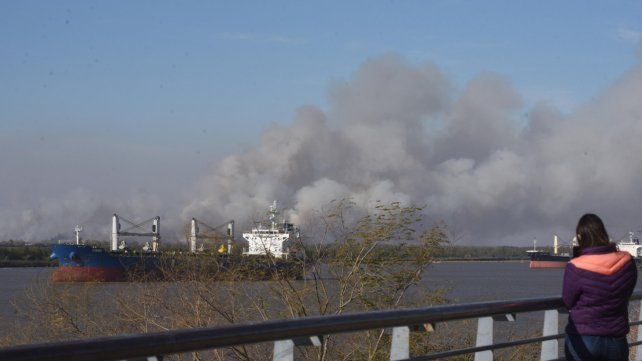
(187, 340)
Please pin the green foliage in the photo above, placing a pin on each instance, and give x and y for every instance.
(24, 253)
(363, 261)
(483, 252)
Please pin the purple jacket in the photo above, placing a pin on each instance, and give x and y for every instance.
(597, 287)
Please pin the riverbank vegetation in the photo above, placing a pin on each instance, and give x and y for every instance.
(355, 276)
(14, 254)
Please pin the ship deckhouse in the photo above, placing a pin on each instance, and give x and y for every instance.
(274, 240)
(632, 246)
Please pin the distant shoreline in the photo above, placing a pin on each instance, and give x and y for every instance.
(42, 263)
(486, 259)
(24, 263)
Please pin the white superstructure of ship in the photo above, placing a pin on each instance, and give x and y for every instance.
(274, 240)
(631, 245)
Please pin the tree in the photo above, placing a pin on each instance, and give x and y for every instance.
(355, 260)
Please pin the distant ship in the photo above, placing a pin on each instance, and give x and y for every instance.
(85, 263)
(269, 254)
(543, 259)
(631, 245)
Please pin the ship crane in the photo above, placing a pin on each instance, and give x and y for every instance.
(210, 233)
(116, 232)
(559, 242)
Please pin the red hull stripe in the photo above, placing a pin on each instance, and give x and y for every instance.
(548, 264)
(88, 274)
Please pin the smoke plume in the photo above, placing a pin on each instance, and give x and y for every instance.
(403, 132)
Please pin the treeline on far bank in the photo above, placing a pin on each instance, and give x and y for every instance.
(485, 252)
(21, 254)
(442, 253)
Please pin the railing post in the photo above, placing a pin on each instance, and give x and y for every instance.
(283, 350)
(399, 347)
(638, 348)
(484, 337)
(550, 348)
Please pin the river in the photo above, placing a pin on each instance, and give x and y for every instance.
(463, 281)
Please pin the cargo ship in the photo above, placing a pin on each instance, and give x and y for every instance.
(269, 254)
(544, 259)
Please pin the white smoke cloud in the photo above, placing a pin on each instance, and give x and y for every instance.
(402, 132)
(57, 216)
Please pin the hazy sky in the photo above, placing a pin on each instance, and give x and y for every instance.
(146, 107)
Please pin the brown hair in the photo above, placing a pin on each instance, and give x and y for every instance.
(591, 232)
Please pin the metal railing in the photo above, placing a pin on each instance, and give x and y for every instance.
(309, 331)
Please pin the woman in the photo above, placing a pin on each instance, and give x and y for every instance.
(597, 287)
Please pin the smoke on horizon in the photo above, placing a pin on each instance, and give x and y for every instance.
(402, 132)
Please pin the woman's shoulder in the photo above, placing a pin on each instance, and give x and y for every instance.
(606, 264)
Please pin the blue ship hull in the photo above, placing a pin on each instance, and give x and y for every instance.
(545, 260)
(83, 263)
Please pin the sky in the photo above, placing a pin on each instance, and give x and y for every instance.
(174, 108)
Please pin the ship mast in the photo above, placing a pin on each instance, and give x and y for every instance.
(273, 239)
(77, 231)
(273, 212)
